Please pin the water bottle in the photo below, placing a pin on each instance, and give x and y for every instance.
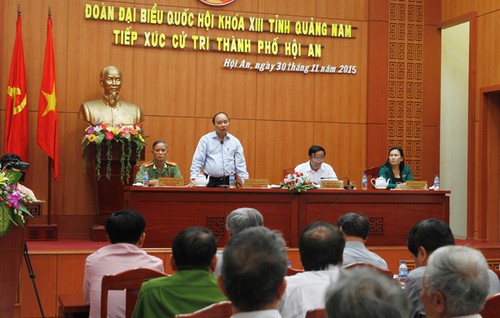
(145, 179)
(436, 183)
(232, 181)
(402, 273)
(364, 182)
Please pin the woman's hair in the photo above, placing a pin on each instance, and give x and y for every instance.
(401, 164)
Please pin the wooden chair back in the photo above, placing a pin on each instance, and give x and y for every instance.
(292, 271)
(371, 173)
(316, 313)
(222, 309)
(130, 281)
(384, 272)
(491, 307)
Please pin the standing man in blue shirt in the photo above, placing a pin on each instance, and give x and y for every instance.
(220, 154)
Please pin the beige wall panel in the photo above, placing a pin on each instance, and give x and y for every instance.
(281, 145)
(77, 186)
(241, 6)
(454, 8)
(167, 90)
(345, 145)
(432, 82)
(70, 274)
(342, 97)
(218, 89)
(284, 96)
(90, 49)
(353, 9)
(178, 133)
(290, 7)
(45, 269)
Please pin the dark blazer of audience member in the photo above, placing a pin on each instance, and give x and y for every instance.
(192, 286)
(237, 221)
(427, 236)
(455, 283)
(355, 227)
(253, 271)
(423, 239)
(379, 295)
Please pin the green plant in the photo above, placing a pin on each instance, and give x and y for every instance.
(12, 201)
(126, 136)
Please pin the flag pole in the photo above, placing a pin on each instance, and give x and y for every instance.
(49, 172)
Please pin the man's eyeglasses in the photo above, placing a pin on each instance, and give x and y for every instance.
(318, 159)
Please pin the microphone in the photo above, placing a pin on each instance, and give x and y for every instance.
(348, 186)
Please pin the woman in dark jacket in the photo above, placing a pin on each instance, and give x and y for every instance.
(394, 168)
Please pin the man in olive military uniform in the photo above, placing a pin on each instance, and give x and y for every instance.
(159, 167)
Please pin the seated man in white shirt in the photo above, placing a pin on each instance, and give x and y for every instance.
(316, 169)
(320, 246)
(355, 227)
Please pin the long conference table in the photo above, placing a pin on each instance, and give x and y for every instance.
(168, 210)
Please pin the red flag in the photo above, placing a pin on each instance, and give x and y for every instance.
(47, 135)
(16, 116)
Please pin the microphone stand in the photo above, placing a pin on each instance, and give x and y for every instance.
(32, 276)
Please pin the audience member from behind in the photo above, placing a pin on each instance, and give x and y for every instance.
(321, 246)
(237, 221)
(395, 169)
(355, 228)
(159, 167)
(364, 292)
(455, 283)
(316, 169)
(125, 230)
(253, 272)
(192, 287)
(423, 239)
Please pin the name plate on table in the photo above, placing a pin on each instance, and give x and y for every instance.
(256, 183)
(171, 182)
(416, 185)
(332, 184)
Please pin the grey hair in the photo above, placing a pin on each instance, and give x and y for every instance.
(364, 292)
(243, 218)
(460, 273)
(253, 268)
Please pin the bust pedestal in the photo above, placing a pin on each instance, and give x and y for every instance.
(110, 191)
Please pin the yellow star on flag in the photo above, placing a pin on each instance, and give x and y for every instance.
(51, 101)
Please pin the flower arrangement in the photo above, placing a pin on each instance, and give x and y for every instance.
(297, 181)
(126, 135)
(12, 202)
